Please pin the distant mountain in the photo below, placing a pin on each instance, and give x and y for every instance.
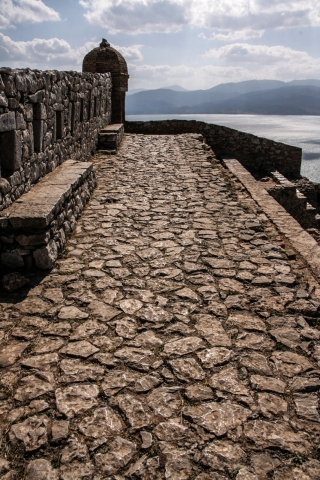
(175, 88)
(292, 100)
(136, 90)
(314, 82)
(254, 96)
(163, 100)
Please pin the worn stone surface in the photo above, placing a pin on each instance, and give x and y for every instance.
(76, 399)
(33, 432)
(266, 434)
(34, 386)
(41, 469)
(121, 452)
(222, 455)
(218, 418)
(164, 344)
(103, 422)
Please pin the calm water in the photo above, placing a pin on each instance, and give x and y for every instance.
(302, 131)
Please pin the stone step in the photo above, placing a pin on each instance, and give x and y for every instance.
(110, 137)
(113, 128)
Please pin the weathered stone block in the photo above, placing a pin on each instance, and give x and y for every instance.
(3, 100)
(33, 240)
(45, 257)
(9, 85)
(4, 186)
(7, 122)
(21, 83)
(37, 97)
(13, 103)
(12, 259)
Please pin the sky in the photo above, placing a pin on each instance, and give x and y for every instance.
(196, 44)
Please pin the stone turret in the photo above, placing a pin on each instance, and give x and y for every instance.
(105, 59)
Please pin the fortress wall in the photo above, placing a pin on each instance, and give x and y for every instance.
(257, 154)
(47, 117)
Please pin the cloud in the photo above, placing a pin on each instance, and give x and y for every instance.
(224, 36)
(258, 54)
(223, 17)
(26, 11)
(230, 63)
(137, 16)
(131, 54)
(262, 61)
(150, 76)
(53, 53)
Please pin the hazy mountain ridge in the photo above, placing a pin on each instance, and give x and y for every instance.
(273, 97)
(175, 88)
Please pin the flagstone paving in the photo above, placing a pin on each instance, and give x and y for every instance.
(175, 339)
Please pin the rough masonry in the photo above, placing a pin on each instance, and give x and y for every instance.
(46, 118)
(177, 338)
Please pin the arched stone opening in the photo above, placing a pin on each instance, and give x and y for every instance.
(104, 59)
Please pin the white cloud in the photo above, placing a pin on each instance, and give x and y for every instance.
(262, 61)
(25, 11)
(138, 16)
(259, 54)
(251, 17)
(231, 63)
(150, 76)
(131, 54)
(224, 36)
(53, 53)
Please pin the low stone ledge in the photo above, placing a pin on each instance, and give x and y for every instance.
(33, 229)
(300, 240)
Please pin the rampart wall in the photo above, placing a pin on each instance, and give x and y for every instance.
(255, 153)
(47, 117)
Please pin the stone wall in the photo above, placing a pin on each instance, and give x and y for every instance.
(311, 190)
(47, 117)
(255, 153)
(295, 204)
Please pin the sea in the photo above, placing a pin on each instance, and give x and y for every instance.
(299, 130)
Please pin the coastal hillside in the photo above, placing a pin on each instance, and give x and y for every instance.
(268, 97)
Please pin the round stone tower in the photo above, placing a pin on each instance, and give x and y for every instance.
(105, 59)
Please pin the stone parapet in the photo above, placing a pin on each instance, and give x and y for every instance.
(47, 117)
(257, 154)
(300, 240)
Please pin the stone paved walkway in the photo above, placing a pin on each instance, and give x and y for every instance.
(174, 340)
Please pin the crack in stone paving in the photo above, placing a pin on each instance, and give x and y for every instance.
(175, 339)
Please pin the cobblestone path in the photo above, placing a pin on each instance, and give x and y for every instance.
(174, 340)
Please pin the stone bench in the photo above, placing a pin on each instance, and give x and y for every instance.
(111, 136)
(34, 228)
